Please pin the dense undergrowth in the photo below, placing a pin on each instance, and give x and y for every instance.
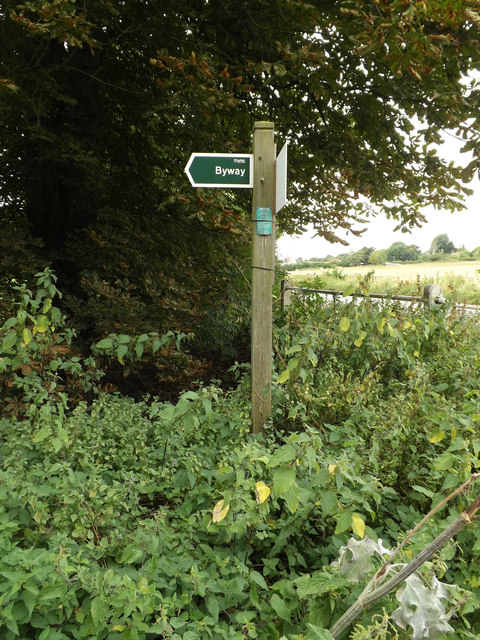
(126, 520)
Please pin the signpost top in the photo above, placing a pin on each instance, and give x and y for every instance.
(225, 170)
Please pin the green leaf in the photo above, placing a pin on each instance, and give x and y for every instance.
(182, 407)
(213, 607)
(57, 444)
(444, 461)
(280, 607)
(349, 290)
(98, 609)
(167, 413)
(450, 482)
(292, 364)
(291, 497)
(129, 555)
(121, 351)
(12, 625)
(293, 349)
(106, 343)
(328, 501)
(258, 579)
(29, 599)
(318, 584)
(282, 456)
(317, 633)
(344, 521)
(9, 340)
(52, 591)
(426, 492)
(189, 421)
(9, 324)
(42, 434)
(283, 479)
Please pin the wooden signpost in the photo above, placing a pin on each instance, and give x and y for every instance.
(263, 265)
(261, 172)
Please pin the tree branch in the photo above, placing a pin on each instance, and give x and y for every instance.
(369, 597)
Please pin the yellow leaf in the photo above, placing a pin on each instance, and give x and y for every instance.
(475, 581)
(27, 336)
(119, 627)
(262, 491)
(437, 436)
(358, 525)
(219, 512)
(345, 323)
(283, 377)
(381, 325)
(143, 585)
(361, 337)
(331, 469)
(41, 324)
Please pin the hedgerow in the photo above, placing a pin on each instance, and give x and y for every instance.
(126, 520)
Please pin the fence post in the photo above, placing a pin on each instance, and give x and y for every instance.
(432, 295)
(286, 293)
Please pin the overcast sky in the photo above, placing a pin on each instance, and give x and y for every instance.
(463, 228)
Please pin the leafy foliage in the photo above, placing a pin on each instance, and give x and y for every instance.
(102, 103)
(442, 243)
(126, 520)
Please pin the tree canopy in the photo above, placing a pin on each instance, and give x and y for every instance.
(399, 251)
(102, 103)
(442, 243)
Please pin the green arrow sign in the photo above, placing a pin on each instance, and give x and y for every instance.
(225, 170)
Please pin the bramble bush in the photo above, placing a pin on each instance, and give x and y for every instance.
(127, 520)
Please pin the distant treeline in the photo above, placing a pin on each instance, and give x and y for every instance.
(441, 249)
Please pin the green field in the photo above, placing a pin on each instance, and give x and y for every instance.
(460, 281)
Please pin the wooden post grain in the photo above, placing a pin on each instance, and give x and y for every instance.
(263, 265)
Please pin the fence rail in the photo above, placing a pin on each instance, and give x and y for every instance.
(432, 296)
